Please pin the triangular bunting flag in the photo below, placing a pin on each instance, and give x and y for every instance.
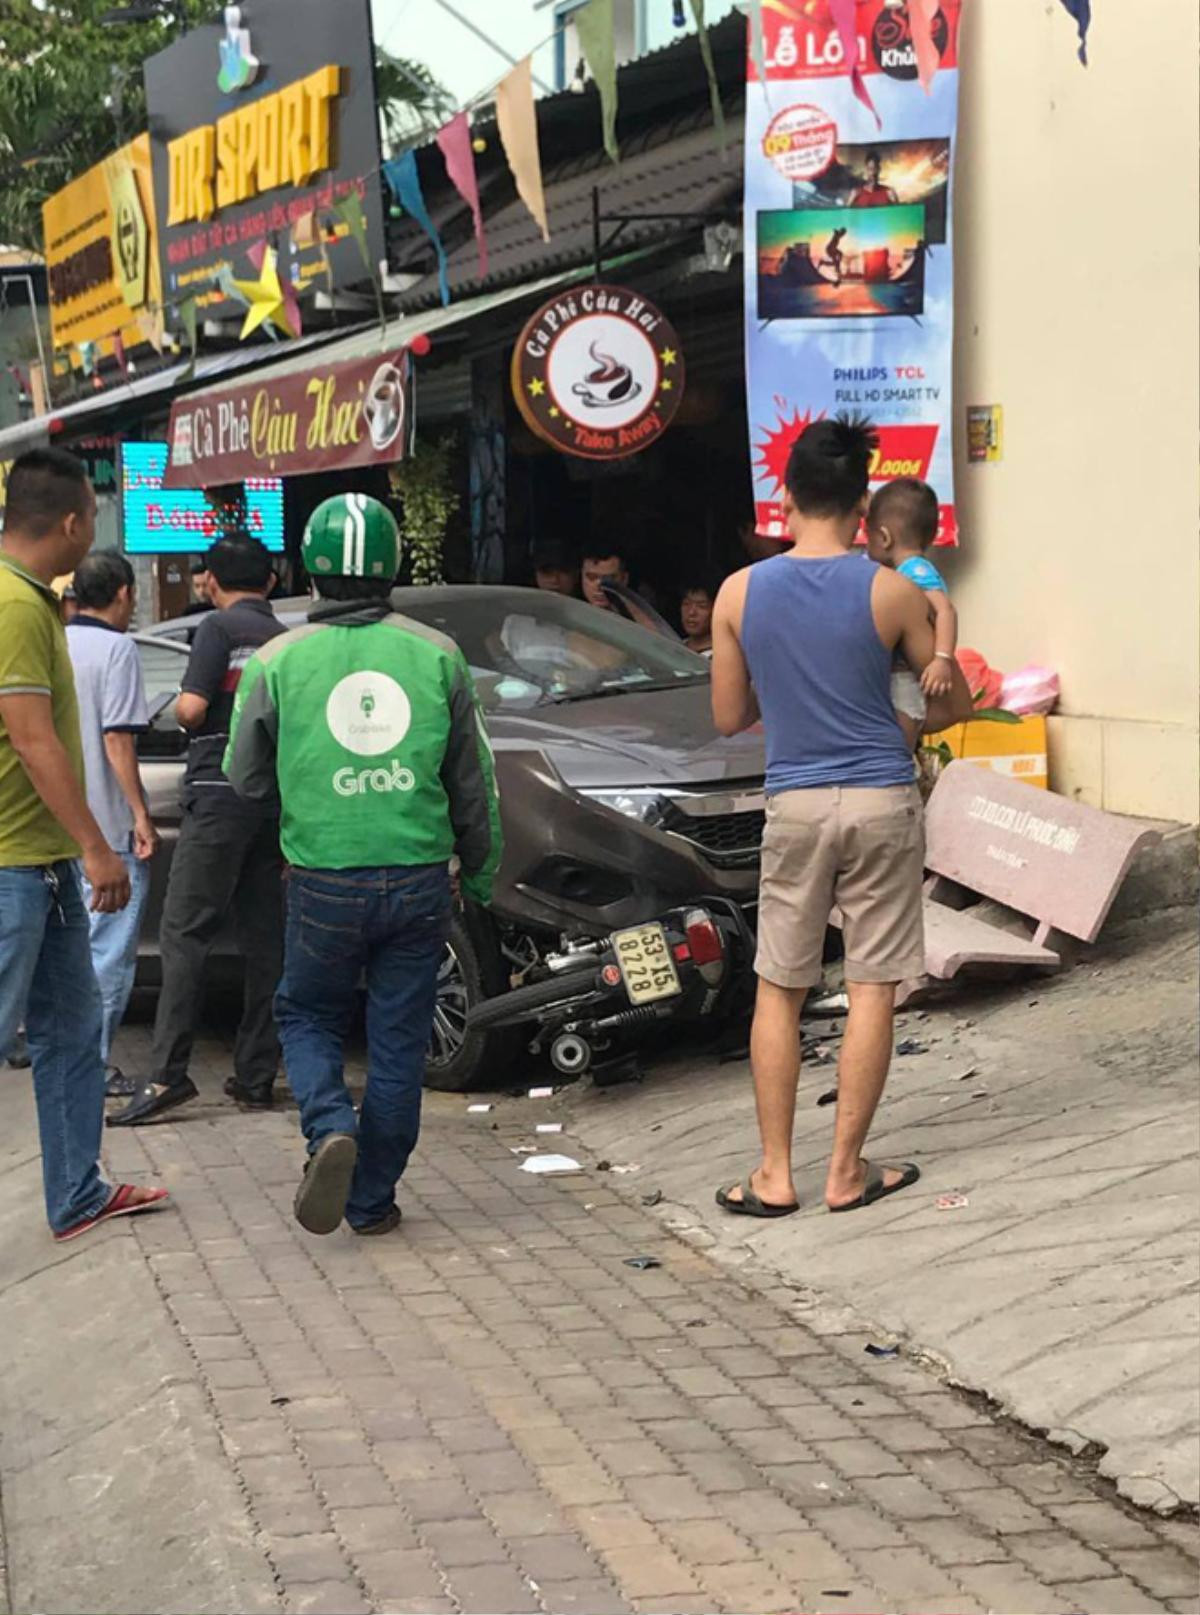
(594, 25)
(187, 317)
(920, 23)
(758, 44)
(1081, 10)
(516, 119)
(454, 142)
(350, 211)
(149, 323)
(845, 20)
(714, 89)
(401, 174)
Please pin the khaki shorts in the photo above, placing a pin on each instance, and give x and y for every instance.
(859, 850)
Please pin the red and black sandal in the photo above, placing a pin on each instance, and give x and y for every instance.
(120, 1204)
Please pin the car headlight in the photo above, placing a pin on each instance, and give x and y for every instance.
(645, 806)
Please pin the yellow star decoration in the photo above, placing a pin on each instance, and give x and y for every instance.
(266, 299)
(554, 411)
(668, 356)
(666, 384)
(536, 387)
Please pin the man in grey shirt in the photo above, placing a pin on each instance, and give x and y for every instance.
(112, 712)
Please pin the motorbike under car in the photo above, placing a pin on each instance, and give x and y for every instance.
(597, 997)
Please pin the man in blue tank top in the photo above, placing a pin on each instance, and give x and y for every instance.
(805, 641)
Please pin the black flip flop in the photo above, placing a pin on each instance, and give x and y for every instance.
(750, 1205)
(320, 1202)
(877, 1189)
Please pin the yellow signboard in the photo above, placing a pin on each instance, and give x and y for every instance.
(101, 253)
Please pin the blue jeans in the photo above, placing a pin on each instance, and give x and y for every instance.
(114, 948)
(390, 924)
(46, 976)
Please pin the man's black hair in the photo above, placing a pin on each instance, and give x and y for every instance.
(44, 485)
(702, 585)
(555, 553)
(600, 549)
(873, 157)
(828, 466)
(346, 589)
(909, 508)
(99, 579)
(241, 563)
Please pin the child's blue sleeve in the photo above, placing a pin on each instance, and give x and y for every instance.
(924, 574)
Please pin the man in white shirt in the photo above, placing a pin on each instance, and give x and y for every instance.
(112, 713)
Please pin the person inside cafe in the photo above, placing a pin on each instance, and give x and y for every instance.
(556, 568)
(695, 617)
(603, 563)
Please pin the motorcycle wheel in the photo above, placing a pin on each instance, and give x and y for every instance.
(523, 1003)
(461, 1055)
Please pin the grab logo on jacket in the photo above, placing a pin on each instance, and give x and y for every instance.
(368, 713)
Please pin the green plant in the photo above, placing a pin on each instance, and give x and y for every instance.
(412, 103)
(423, 485)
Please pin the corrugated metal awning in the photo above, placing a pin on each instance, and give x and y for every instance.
(400, 332)
(86, 414)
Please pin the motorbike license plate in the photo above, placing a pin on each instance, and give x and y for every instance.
(647, 967)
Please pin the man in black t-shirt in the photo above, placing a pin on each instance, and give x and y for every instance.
(227, 857)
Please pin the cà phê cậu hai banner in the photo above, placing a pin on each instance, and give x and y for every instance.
(330, 418)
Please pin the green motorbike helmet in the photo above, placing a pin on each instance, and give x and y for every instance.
(351, 536)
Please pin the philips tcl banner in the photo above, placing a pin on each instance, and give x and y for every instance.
(849, 236)
(331, 418)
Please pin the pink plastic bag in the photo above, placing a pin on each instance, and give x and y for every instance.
(1030, 691)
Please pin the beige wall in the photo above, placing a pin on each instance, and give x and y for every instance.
(1077, 223)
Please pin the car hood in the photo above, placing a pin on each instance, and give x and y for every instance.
(637, 738)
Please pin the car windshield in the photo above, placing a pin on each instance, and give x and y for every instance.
(529, 648)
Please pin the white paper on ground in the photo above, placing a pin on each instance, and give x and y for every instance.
(549, 1127)
(541, 1093)
(477, 1109)
(550, 1163)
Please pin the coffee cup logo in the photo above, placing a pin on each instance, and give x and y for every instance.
(598, 372)
(609, 384)
(383, 406)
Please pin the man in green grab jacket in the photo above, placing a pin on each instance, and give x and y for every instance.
(366, 727)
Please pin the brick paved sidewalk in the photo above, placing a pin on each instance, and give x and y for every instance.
(489, 1411)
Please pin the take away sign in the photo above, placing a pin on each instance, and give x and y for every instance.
(331, 418)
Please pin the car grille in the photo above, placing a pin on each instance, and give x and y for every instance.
(727, 839)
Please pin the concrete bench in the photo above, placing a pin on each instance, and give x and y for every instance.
(1055, 861)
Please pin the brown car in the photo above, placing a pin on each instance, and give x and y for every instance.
(618, 797)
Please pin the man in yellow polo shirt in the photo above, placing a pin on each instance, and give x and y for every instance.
(45, 826)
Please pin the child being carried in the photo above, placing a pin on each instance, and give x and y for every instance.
(902, 523)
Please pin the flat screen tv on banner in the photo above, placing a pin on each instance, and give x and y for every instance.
(253, 123)
(162, 521)
(849, 280)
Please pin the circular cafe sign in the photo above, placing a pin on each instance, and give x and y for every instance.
(598, 372)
